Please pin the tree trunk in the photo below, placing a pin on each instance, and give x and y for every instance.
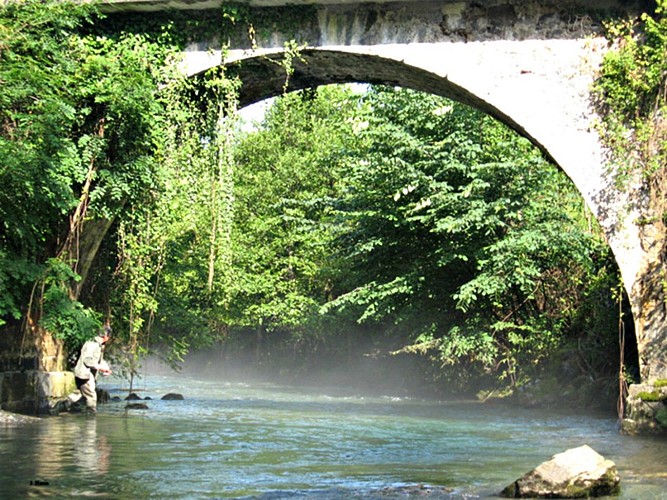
(92, 234)
(40, 344)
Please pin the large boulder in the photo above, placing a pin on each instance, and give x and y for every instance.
(575, 473)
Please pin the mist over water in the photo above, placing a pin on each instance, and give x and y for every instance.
(370, 369)
(238, 435)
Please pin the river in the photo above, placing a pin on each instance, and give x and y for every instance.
(260, 440)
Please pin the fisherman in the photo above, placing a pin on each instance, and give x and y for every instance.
(90, 362)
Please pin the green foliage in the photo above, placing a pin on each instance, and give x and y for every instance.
(407, 219)
(81, 132)
(37, 158)
(650, 397)
(173, 28)
(456, 227)
(16, 276)
(349, 218)
(185, 233)
(631, 93)
(632, 102)
(283, 181)
(67, 319)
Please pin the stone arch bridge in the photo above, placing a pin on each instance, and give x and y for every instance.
(530, 64)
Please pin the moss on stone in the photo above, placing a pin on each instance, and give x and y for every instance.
(606, 485)
(650, 397)
(661, 382)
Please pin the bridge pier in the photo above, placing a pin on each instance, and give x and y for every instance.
(32, 371)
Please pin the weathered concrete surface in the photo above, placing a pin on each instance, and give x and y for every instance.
(162, 5)
(575, 473)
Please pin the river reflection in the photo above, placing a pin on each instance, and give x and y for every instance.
(229, 440)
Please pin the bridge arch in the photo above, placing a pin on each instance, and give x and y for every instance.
(539, 88)
(530, 64)
(262, 78)
(554, 122)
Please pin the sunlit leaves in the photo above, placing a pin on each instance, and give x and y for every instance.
(80, 129)
(449, 212)
(67, 318)
(631, 100)
(285, 181)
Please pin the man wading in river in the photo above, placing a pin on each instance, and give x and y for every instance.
(90, 362)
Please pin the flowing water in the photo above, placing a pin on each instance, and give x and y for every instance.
(269, 441)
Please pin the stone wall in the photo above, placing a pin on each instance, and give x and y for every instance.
(32, 376)
(646, 409)
(33, 391)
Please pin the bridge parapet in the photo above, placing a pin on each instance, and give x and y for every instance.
(351, 22)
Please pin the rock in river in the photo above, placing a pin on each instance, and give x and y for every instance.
(172, 396)
(9, 419)
(136, 406)
(575, 473)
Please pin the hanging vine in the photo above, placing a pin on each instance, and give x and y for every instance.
(632, 101)
(224, 118)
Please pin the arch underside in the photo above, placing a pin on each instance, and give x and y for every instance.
(263, 77)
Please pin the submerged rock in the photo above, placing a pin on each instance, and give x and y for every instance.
(172, 396)
(575, 473)
(133, 397)
(9, 419)
(136, 406)
(103, 396)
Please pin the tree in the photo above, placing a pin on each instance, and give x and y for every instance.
(283, 180)
(458, 232)
(79, 129)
